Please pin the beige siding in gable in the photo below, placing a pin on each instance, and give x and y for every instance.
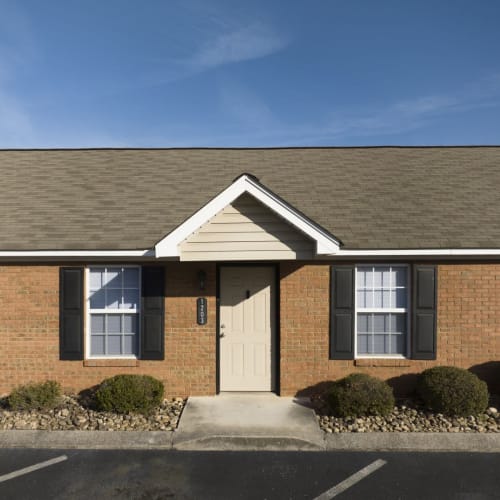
(246, 230)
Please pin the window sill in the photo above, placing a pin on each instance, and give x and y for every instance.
(111, 362)
(377, 362)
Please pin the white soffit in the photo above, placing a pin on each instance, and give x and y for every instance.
(169, 246)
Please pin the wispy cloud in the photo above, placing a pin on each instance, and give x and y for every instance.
(254, 123)
(253, 41)
(425, 105)
(222, 43)
(406, 115)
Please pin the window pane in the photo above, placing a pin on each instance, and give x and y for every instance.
(113, 278)
(363, 323)
(377, 277)
(397, 345)
(379, 344)
(113, 298)
(114, 344)
(362, 298)
(95, 277)
(360, 278)
(400, 297)
(130, 299)
(129, 344)
(386, 278)
(382, 299)
(400, 276)
(97, 345)
(398, 323)
(370, 322)
(97, 299)
(129, 323)
(379, 322)
(97, 323)
(114, 323)
(364, 278)
(368, 277)
(131, 277)
(386, 299)
(363, 344)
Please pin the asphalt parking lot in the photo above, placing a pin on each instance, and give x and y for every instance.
(158, 475)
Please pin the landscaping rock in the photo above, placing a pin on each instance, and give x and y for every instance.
(407, 417)
(71, 415)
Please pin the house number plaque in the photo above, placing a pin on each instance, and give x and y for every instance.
(201, 311)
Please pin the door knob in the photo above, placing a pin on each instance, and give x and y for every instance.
(221, 334)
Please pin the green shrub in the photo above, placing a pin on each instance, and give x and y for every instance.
(41, 396)
(129, 394)
(359, 395)
(452, 391)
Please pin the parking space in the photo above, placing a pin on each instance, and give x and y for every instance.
(248, 475)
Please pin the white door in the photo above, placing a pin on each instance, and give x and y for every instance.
(247, 329)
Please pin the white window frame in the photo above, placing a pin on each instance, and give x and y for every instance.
(406, 310)
(89, 312)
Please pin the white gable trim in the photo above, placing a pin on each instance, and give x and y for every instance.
(169, 246)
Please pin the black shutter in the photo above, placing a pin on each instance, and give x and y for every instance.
(342, 312)
(424, 312)
(152, 313)
(71, 313)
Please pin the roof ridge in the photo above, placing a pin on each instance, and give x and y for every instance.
(263, 148)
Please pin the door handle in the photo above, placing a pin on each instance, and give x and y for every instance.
(221, 335)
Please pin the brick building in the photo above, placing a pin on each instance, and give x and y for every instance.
(248, 269)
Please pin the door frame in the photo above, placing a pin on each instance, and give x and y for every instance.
(276, 268)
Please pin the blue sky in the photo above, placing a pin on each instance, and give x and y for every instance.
(164, 73)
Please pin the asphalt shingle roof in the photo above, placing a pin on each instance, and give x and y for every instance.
(369, 198)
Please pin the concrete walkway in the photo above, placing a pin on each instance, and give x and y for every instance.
(248, 421)
(259, 421)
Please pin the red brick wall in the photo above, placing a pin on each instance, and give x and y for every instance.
(29, 333)
(468, 327)
(468, 330)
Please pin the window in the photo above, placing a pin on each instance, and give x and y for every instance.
(113, 305)
(381, 310)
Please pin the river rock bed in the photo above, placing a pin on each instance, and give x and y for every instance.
(71, 415)
(407, 417)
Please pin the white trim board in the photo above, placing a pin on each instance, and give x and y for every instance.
(431, 252)
(77, 253)
(150, 254)
(169, 246)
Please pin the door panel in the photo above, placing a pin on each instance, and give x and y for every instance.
(247, 329)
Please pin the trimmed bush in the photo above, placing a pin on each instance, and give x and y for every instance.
(129, 394)
(359, 395)
(452, 391)
(41, 396)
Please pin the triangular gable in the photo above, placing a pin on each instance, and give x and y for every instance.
(246, 230)
(325, 244)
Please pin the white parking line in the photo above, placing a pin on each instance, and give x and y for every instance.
(32, 468)
(351, 480)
